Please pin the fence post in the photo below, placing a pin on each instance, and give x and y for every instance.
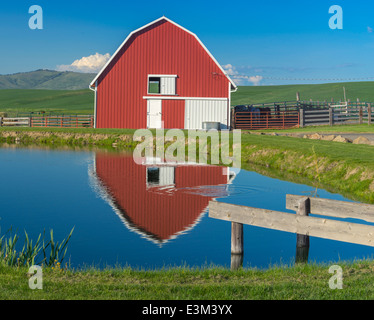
(232, 120)
(237, 250)
(331, 116)
(369, 113)
(360, 115)
(301, 111)
(302, 241)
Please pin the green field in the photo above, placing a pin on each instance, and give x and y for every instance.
(317, 92)
(82, 101)
(59, 101)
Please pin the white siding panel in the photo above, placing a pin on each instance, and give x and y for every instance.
(168, 85)
(199, 111)
(167, 176)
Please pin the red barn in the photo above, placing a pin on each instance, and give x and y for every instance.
(159, 201)
(162, 76)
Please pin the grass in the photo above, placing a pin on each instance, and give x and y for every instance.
(317, 92)
(299, 282)
(342, 168)
(58, 101)
(359, 128)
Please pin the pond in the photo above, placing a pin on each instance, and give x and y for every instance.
(147, 215)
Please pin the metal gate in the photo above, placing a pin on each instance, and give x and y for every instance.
(266, 120)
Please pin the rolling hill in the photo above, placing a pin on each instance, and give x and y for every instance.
(317, 92)
(82, 101)
(46, 79)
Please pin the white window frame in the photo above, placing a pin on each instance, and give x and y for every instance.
(162, 76)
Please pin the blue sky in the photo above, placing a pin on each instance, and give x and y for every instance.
(270, 40)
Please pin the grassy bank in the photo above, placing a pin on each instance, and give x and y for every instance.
(301, 282)
(337, 167)
(359, 128)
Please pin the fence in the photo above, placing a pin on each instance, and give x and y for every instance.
(81, 121)
(300, 113)
(300, 223)
(14, 122)
(336, 114)
(266, 120)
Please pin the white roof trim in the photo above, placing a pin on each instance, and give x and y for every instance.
(146, 26)
(168, 97)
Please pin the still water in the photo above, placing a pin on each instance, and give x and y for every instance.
(147, 215)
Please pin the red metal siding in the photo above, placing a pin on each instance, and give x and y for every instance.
(157, 212)
(162, 48)
(173, 114)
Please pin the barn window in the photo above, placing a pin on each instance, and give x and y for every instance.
(160, 176)
(153, 175)
(162, 84)
(154, 85)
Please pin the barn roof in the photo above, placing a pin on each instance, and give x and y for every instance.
(92, 84)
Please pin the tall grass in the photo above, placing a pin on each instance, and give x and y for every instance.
(41, 252)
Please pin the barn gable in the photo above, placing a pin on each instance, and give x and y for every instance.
(161, 76)
(144, 29)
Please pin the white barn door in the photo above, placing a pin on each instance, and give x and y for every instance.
(199, 111)
(154, 114)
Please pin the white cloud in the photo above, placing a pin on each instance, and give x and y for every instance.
(255, 80)
(229, 69)
(241, 78)
(89, 64)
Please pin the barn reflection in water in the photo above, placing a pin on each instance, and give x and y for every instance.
(158, 200)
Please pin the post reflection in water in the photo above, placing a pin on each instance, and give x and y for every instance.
(158, 200)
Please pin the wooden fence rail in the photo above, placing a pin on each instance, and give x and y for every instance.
(14, 122)
(69, 121)
(78, 121)
(300, 113)
(300, 223)
(266, 120)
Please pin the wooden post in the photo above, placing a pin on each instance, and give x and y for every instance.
(360, 115)
(369, 113)
(297, 96)
(302, 122)
(302, 241)
(331, 116)
(232, 120)
(237, 250)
